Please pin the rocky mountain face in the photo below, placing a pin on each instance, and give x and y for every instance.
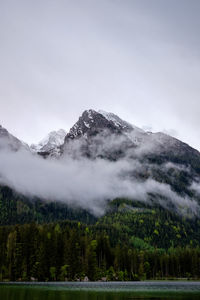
(92, 123)
(105, 135)
(160, 157)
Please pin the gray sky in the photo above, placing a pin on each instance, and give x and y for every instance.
(137, 58)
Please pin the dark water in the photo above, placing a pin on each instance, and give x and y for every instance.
(160, 290)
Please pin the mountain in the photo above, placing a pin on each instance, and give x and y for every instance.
(51, 143)
(165, 159)
(157, 168)
(108, 130)
(101, 134)
(92, 123)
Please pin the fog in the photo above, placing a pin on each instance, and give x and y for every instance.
(85, 183)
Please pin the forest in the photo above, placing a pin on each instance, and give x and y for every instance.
(73, 251)
(131, 241)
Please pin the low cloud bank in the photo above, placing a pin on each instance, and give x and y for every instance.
(85, 183)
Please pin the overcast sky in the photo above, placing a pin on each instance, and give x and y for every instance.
(137, 58)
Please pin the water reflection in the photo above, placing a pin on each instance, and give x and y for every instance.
(95, 291)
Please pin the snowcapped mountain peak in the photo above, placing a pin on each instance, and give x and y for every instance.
(52, 141)
(91, 122)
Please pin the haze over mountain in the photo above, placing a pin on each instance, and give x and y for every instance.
(101, 158)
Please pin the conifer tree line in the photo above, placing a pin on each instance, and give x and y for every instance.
(74, 251)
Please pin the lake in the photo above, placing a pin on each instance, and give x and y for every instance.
(158, 290)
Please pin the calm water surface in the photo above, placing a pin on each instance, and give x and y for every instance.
(160, 290)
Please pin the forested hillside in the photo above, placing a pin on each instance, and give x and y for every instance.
(17, 209)
(129, 243)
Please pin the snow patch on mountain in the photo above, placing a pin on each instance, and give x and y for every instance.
(115, 119)
(87, 124)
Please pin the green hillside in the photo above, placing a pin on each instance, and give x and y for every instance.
(130, 242)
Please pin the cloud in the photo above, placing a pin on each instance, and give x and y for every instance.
(84, 182)
(195, 186)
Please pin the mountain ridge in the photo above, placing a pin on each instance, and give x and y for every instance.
(167, 169)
